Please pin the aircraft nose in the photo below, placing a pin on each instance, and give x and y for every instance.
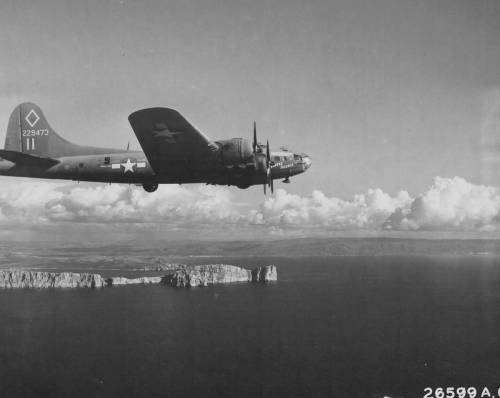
(307, 161)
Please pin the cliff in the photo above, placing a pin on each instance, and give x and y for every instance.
(144, 280)
(34, 279)
(267, 273)
(186, 276)
(212, 274)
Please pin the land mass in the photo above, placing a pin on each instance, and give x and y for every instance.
(306, 247)
(186, 276)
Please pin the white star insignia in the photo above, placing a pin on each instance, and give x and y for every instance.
(128, 166)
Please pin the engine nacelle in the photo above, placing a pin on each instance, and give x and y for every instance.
(235, 151)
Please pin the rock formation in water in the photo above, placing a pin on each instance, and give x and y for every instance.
(187, 276)
(37, 279)
(268, 273)
(212, 274)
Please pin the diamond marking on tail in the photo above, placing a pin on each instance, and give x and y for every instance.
(32, 118)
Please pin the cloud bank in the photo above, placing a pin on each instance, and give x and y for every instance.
(449, 204)
(48, 202)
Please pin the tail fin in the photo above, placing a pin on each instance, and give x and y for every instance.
(29, 132)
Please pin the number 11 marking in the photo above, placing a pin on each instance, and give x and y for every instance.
(28, 144)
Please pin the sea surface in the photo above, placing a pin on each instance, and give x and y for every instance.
(330, 327)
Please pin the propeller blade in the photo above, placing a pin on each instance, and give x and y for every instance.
(269, 178)
(268, 154)
(254, 136)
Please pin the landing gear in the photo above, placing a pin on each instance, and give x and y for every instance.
(150, 187)
(286, 180)
(242, 186)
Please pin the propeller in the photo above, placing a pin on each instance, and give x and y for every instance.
(269, 178)
(254, 137)
(268, 182)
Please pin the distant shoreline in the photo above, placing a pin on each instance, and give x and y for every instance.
(297, 247)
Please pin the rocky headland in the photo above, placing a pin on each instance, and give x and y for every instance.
(181, 276)
(37, 279)
(213, 274)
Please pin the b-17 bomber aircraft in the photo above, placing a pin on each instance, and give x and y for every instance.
(174, 152)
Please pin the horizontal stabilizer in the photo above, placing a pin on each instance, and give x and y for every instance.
(23, 159)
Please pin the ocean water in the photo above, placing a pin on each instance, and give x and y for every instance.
(331, 327)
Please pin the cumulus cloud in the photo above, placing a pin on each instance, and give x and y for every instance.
(47, 202)
(448, 204)
(368, 210)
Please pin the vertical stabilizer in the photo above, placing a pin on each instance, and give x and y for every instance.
(29, 132)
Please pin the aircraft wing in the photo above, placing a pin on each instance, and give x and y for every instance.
(169, 141)
(25, 160)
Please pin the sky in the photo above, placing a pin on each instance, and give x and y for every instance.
(397, 97)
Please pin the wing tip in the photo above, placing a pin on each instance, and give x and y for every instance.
(152, 111)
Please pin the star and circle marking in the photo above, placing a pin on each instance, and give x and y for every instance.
(128, 166)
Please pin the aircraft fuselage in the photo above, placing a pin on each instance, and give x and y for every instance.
(133, 167)
(174, 152)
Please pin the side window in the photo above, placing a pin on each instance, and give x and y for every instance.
(276, 158)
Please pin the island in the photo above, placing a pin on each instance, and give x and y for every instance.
(180, 276)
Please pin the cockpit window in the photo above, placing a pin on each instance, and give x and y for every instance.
(297, 157)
